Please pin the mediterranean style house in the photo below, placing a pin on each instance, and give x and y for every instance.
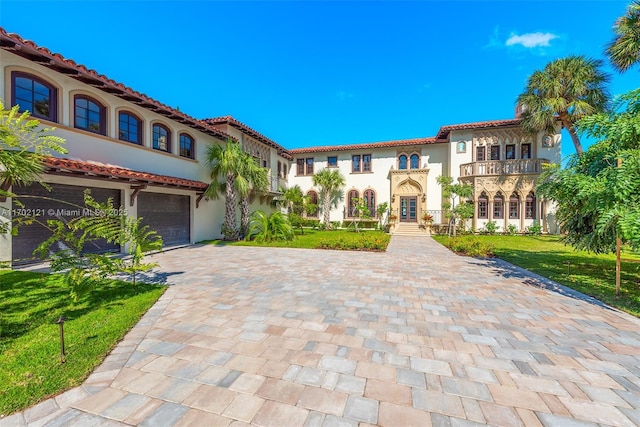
(151, 160)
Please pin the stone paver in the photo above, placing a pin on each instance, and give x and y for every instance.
(413, 336)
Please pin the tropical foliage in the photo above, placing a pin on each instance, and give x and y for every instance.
(22, 147)
(382, 212)
(360, 211)
(455, 207)
(84, 270)
(624, 50)
(566, 90)
(267, 228)
(252, 181)
(296, 205)
(598, 194)
(330, 183)
(225, 164)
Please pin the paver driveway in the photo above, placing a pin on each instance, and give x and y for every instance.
(414, 336)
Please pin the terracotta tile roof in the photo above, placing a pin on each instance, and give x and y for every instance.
(87, 169)
(441, 137)
(40, 55)
(229, 120)
(366, 146)
(444, 131)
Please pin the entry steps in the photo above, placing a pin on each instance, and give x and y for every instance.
(410, 229)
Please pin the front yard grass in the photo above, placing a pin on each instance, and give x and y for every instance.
(365, 240)
(591, 274)
(30, 303)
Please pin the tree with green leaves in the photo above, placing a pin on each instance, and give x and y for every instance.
(456, 208)
(225, 164)
(382, 212)
(252, 181)
(566, 90)
(598, 194)
(624, 49)
(23, 145)
(296, 205)
(330, 183)
(360, 211)
(84, 270)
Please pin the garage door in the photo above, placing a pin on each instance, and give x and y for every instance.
(167, 214)
(51, 205)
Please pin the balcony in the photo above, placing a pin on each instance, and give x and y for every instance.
(502, 167)
(275, 185)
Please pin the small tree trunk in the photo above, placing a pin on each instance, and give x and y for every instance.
(572, 133)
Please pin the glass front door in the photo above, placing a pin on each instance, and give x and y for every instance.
(408, 209)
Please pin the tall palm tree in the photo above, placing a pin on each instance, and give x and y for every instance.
(624, 50)
(252, 180)
(225, 164)
(566, 90)
(330, 182)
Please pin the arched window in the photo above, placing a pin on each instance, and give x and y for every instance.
(514, 206)
(129, 127)
(161, 138)
(187, 146)
(90, 115)
(483, 206)
(415, 161)
(402, 162)
(313, 199)
(498, 206)
(352, 200)
(530, 206)
(369, 197)
(34, 95)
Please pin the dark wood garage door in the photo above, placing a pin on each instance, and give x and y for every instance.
(51, 205)
(167, 214)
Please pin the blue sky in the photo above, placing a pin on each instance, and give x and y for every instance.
(309, 73)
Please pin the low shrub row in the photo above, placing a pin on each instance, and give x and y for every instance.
(357, 241)
(469, 245)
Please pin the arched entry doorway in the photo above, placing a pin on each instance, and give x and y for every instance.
(408, 196)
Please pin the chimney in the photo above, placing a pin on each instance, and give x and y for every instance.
(519, 109)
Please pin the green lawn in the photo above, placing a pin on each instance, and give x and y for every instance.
(367, 240)
(586, 272)
(30, 303)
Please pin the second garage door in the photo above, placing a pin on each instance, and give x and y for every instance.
(168, 214)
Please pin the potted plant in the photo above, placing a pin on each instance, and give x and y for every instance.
(427, 218)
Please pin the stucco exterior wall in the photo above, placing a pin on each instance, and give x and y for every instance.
(433, 157)
(108, 149)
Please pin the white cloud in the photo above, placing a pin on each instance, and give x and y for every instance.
(530, 40)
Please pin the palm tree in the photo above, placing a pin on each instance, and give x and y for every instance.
(624, 50)
(225, 163)
(252, 180)
(330, 182)
(267, 228)
(566, 90)
(294, 200)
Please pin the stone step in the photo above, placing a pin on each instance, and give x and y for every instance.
(409, 229)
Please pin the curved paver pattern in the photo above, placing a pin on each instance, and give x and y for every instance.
(414, 336)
